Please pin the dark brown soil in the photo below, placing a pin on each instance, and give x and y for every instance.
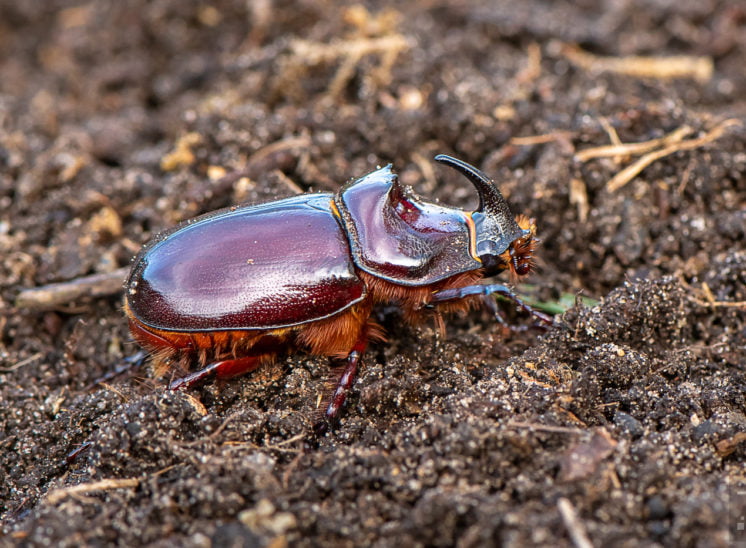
(119, 119)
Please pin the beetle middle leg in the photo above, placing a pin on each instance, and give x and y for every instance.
(489, 289)
(344, 384)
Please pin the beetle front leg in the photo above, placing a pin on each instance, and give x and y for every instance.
(486, 290)
(344, 384)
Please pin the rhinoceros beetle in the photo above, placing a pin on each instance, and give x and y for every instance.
(229, 291)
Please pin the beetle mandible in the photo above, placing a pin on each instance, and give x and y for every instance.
(230, 290)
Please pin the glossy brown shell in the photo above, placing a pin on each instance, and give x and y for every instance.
(402, 239)
(252, 267)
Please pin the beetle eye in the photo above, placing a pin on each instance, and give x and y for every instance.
(522, 267)
(521, 259)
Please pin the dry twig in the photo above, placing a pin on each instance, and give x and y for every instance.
(57, 495)
(372, 35)
(579, 197)
(574, 525)
(709, 298)
(289, 143)
(533, 65)
(541, 139)
(673, 142)
(50, 296)
(631, 149)
(351, 52)
(546, 427)
(631, 171)
(22, 363)
(662, 68)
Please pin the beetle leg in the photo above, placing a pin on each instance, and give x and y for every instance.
(491, 305)
(128, 364)
(344, 384)
(221, 369)
(489, 289)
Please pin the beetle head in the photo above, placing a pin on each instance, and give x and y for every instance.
(502, 242)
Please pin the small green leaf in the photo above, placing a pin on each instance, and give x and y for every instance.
(561, 305)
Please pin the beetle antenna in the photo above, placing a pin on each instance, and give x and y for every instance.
(491, 201)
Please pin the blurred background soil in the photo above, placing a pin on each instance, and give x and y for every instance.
(623, 425)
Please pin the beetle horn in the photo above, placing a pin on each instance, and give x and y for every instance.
(495, 226)
(491, 201)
